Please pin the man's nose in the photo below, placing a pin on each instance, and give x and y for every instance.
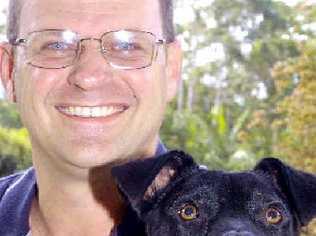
(91, 69)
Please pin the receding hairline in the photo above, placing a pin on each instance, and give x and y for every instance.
(16, 6)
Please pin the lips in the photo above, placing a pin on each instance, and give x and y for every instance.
(91, 111)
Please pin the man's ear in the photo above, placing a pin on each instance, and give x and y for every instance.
(174, 66)
(142, 180)
(298, 187)
(6, 68)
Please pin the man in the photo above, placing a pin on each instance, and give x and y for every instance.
(91, 80)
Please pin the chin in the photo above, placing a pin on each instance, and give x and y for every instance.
(91, 158)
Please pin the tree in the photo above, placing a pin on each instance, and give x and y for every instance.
(14, 143)
(240, 42)
(9, 117)
(298, 127)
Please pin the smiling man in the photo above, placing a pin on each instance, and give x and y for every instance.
(91, 80)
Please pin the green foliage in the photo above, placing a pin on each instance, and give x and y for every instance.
(15, 143)
(221, 115)
(9, 116)
(15, 147)
(297, 134)
(210, 141)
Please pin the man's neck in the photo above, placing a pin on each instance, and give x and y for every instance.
(64, 207)
(78, 201)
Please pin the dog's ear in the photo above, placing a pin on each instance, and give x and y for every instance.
(141, 180)
(298, 187)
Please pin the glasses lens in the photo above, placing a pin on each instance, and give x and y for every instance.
(52, 49)
(128, 49)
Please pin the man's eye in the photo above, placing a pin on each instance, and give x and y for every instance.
(125, 46)
(57, 46)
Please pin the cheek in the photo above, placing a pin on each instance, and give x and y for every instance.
(32, 90)
(24, 88)
(149, 84)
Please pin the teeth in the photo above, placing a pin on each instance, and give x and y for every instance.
(91, 111)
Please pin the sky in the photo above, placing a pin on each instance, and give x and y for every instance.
(3, 4)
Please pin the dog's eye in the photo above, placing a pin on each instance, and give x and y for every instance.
(188, 212)
(273, 216)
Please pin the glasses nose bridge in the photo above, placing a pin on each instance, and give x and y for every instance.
(83, 49)
(90, 40)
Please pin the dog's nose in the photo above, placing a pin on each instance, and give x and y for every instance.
(238, 233)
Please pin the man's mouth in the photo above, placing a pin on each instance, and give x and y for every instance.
(91, 112)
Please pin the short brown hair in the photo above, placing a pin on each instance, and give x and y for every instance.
(15, 6)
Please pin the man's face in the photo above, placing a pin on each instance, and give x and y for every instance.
(91, 82)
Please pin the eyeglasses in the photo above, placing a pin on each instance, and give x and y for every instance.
(122, 49)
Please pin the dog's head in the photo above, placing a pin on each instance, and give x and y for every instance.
(174, 196)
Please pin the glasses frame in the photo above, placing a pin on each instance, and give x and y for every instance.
(157, 42)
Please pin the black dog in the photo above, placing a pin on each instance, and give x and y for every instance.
(174, 196)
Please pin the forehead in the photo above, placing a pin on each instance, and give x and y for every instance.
(91, 17)
(233, 186)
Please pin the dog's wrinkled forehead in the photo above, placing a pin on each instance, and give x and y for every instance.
(219, 199)
(219, 187)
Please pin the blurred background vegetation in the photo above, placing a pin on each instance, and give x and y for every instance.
(248, 89)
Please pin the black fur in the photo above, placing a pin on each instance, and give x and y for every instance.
(228, 204)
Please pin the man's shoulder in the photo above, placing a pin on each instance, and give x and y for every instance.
(16, 194)
(12, 181)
